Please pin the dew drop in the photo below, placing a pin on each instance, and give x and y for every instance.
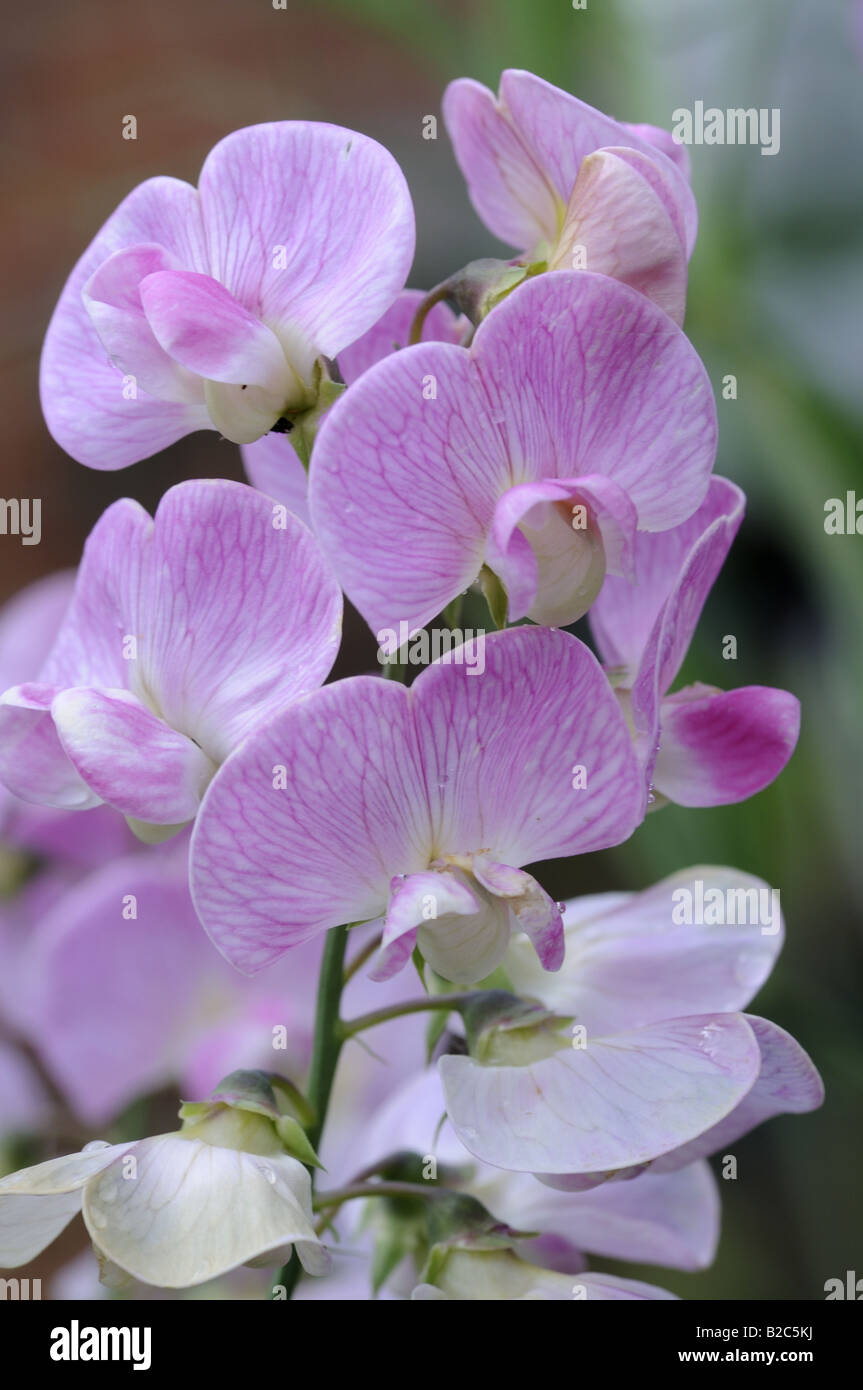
(100, 1220)
(95, 1145)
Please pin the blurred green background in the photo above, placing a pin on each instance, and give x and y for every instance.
(775, 299)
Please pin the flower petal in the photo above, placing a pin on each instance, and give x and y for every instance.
(310, 226)
(241, 614)
(620, 1100)
(200, 324)
(28, 1225)
(620, 226)
(307, 823)
(641, 961)
(724, 746)
(499, 751)
(675, 571)
(130, 758)
(397, 474)
(510, 191)
(193, 1211)
(33, 761)
(560, 131)
(787, 1084)
(273, 466)
(96, 415)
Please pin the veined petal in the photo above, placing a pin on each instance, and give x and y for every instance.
(241, 613)
(510, 191)
(200, 324)
(677, 570)
(97, 415)
(28, 1225)
(586, 376)
(403, 483)
(723, 746)
(193, 1211)
(560, 131)
(307, 823)
(617, 224)
(310, 226)
(130, 758)
(113, 300)
(63, 1175)
(33, 762)
(648, 957)
(501, 751)
(620, 1100)
(787, 1084)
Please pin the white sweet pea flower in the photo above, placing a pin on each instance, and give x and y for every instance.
(174, 1210)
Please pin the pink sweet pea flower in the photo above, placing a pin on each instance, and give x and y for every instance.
(184, 632)
(272, 463)
(701, 746)
(573, 189)
(418, 807)
(211, 307)
(579, 414)
(662, 1067)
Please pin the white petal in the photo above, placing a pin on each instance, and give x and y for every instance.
(193, 1211)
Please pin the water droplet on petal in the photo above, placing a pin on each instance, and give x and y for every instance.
(95, 1145)
(100, 1220)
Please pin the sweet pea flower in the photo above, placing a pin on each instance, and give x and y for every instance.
(700, 746)
(213, 307)
(273, 465)
(418, 808)
(579, 414)
(174, 1210)
(659, 1067)
(183, 633)
(572, 188)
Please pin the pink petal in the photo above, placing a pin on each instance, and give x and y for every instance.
(560, 131)
(509, 189)
(536, 914)
(273, 866)
(619, 1101)
(33, 762)
(336, 203)
(622, 228)
(130, 758)
(724, 746)
(273, 466)
(406, 912)
(427, 470)
(82, 393)
(677, 568)
(541, 708)
(240, 614)
(113, 300)
(200, 324)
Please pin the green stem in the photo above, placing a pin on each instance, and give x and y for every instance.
(357, 1190)
(351, 1027)
(329, 1036)
(436, 296)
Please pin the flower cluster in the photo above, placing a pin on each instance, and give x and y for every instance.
(533, 439)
